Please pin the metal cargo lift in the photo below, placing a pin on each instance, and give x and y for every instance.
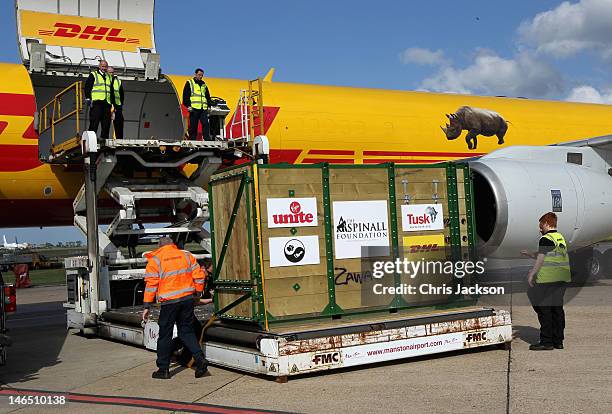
(149, 184)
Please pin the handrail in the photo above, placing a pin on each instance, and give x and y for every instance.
(256, 93)
(55, 107)
(251, 108)
(241, 111)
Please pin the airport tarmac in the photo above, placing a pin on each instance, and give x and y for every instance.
(577, 379)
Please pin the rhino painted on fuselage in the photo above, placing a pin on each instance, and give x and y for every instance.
(477, 122)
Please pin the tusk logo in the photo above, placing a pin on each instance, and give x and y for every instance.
(294, 250)
(432, 213)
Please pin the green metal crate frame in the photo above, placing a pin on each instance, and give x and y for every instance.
(256, 284)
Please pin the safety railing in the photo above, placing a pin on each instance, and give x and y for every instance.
(248, 119)
(239, 124)
(256, 117)
(66, 104)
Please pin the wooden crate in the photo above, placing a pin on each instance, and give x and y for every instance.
(289, 270)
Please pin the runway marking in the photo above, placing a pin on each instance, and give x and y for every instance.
(134, 402)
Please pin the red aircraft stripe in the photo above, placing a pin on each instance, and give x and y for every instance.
(284, 155)
(400, 161)
(423, 153)
(329, 160)
(18, 157)
(330, 152)
(17, 104)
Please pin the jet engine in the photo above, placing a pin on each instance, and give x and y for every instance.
(515, 186)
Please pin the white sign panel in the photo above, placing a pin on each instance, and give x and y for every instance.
(419, 217)
(292, 212)
(358, 224)
(294, 251)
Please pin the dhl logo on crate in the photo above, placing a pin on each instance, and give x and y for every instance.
(418, 245)
(421, 248)
(85, 32)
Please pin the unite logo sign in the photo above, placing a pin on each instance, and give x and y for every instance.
(71, 30)
(292, 212)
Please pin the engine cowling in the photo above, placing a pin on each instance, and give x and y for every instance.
(515, 186)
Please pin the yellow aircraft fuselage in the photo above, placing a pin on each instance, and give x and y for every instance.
(304, 124)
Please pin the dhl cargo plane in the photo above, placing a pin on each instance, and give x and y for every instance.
(304, 123)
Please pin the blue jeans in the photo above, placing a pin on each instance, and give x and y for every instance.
(180, 313)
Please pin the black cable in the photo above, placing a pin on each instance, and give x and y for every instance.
(134, 295)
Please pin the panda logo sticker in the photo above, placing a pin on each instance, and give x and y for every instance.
(294, 251)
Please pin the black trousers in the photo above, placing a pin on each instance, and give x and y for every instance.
(185, 354)
(180, 313)
(118, 122)
(100, 113)
(547, 301)
(199, 116)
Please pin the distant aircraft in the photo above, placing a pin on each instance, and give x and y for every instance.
(13, 246)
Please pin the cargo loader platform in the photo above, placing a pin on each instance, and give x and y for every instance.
(125, 324)
(313, 347)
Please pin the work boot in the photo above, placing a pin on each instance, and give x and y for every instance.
(161, 374)
(541, 347)
(558, 346)
(201, 368)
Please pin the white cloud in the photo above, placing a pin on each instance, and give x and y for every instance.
(493, 75)
(588, 94)
(571, 28)
(422, 56)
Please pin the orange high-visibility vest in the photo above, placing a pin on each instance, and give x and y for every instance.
(172, 275)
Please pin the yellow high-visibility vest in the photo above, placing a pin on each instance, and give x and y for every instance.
(198, 95)
(116, 88)
(101, 87)
(556, 267)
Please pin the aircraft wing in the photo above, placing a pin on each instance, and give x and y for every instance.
(604, 142)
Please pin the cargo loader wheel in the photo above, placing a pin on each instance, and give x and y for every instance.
(282, 379)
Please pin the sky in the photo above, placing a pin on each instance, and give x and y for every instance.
(535, 49)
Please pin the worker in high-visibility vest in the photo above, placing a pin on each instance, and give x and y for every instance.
(196, 98)
(175, 278)
(98, 99)
(117, 98)
(547, 282)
